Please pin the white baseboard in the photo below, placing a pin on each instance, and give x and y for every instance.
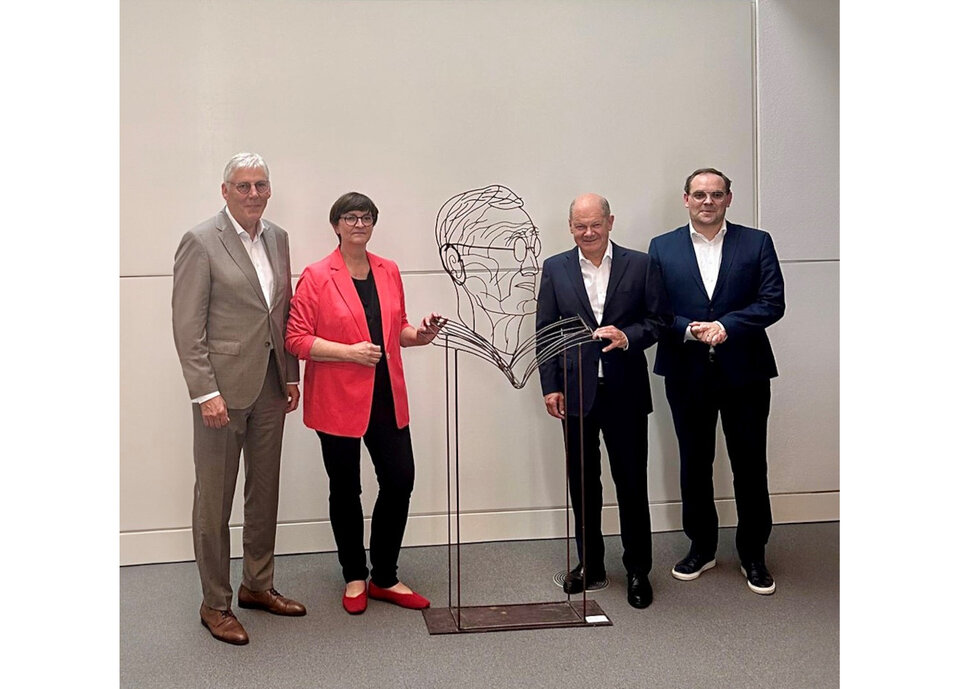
(175, 545)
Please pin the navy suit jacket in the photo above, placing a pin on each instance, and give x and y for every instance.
(636, 304)
(747, 298)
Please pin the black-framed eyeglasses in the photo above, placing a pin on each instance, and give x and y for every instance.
(352, 220)
(262, 187)
(702, 195)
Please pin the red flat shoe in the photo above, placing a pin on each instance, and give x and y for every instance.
(414, 601)
(355, 604)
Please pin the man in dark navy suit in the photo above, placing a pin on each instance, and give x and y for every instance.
(725, 286)
(618, 293)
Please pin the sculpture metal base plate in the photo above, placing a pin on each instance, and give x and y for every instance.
(598, 586)
(499, 618)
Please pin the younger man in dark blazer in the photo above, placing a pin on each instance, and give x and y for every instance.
(725, 287)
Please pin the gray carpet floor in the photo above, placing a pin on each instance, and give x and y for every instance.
(710, 633)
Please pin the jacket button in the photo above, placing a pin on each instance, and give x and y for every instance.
(388, 355)
(267, 345)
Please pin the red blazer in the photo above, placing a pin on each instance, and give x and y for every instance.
(338, 395)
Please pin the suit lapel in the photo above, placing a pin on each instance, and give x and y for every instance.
(618, 267)
(575, 275)
(348, 292)
(690, 256)
(234, 246)
(269, 239)
(384, 294)
(731, 242)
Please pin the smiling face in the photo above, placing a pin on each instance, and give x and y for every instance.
(245, 201)
(707, 202)
(590, 226)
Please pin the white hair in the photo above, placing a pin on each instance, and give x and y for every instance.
(246, 161)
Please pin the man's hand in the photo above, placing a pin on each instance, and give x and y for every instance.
(708, 333)
(293, 397)
(365, 353)
(608, 332)
(214, 413)
(556, 406)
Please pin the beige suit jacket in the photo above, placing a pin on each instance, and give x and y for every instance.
(223, 330)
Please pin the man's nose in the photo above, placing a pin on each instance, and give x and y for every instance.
(528, 266)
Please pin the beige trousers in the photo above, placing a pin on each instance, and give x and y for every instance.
(257, 430)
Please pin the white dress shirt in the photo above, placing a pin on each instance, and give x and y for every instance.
(709, 252)
(258, 255)
(595, 280)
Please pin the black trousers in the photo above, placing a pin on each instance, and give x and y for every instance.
(624, 431)
(392, 454)
(743, 411)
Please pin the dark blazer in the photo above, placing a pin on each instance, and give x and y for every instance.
(636, 304)
(747, 298)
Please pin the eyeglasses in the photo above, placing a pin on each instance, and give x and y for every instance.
(702, 195)
(245, 187)
(352, 220)
(521, 247)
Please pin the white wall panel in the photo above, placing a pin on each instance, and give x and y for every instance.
(804, 428)
(413, 102)
(798, 93)
(156, 431)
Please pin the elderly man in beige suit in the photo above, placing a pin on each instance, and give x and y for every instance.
(231, 296)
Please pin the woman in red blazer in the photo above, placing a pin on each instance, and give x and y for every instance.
(348, 321)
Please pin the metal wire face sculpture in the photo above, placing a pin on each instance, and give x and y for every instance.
(490, 248)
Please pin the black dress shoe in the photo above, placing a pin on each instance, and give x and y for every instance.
(573, 581)
(692, 566)
(758, 577)
(639, 591)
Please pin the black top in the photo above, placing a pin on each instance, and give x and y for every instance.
(382, 411)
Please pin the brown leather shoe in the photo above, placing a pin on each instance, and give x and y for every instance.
(269, 600)
(223, 625)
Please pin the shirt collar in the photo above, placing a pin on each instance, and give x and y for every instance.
(240, 230)
(607, 255)
(697, 237)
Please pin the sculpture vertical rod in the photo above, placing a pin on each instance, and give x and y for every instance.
(446, 377)
(456, 425)
(583, 491)
(566, 454)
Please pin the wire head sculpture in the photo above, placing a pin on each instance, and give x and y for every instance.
(490, 248)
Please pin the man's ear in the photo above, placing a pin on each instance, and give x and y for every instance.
(452, 263)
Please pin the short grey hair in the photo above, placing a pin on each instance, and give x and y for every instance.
(604, 207)
(244, 161)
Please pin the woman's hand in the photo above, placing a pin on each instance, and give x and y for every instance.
(365, 353)
(429, 328)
